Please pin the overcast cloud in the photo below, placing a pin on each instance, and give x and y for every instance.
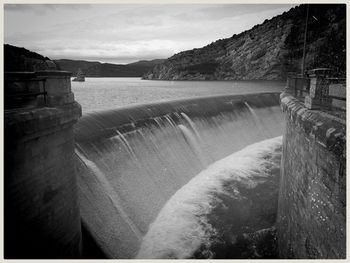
(120, 33)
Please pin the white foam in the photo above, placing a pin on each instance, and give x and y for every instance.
(181, 227)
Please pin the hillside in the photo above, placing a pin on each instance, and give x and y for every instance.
(267, 51)
(97, 69)
(21, 59)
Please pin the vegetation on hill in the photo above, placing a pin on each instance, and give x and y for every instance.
(21, 59)
(267, 51)
(97, 69)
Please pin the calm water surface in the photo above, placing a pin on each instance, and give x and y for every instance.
(109, 93)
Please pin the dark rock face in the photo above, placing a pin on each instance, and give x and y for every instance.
(21, 59)
(267, 51)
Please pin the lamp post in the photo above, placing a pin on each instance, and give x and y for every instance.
(304, 48)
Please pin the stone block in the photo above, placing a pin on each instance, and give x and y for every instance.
(60, 99)
(311, 103)
(314, 92)
(54, 86)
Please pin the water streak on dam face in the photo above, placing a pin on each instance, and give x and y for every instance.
(130, 161)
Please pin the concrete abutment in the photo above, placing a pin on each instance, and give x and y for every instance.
(312, 200)
(42, 218)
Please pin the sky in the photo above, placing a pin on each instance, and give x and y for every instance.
(125, 33)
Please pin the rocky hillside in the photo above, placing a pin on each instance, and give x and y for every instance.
(267, 51)
(21, 59)
(97, 69)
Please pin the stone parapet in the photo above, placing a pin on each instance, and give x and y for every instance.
(328, 130)
(23, 125)
(312, 200)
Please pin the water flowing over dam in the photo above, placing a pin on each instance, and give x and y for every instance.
(133, 163)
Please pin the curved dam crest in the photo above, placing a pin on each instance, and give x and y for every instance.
(132, 160)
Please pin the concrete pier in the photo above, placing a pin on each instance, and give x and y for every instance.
(42, 218)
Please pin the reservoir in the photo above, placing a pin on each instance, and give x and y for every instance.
(109, 93)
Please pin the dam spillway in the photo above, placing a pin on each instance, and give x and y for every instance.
(132, 160)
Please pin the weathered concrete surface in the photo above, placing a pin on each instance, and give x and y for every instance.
(42, 217)
(312, 199)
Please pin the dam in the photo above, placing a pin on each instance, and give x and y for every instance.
(132, 160)
(206, 177)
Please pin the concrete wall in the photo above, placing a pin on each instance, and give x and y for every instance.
(312, 200)
(42, 218)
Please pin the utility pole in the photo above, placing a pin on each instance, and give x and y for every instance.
(304, 49)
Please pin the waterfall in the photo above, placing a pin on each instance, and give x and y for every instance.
(111, 193)
(137, 158)
(194, 144)
(183, 227)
